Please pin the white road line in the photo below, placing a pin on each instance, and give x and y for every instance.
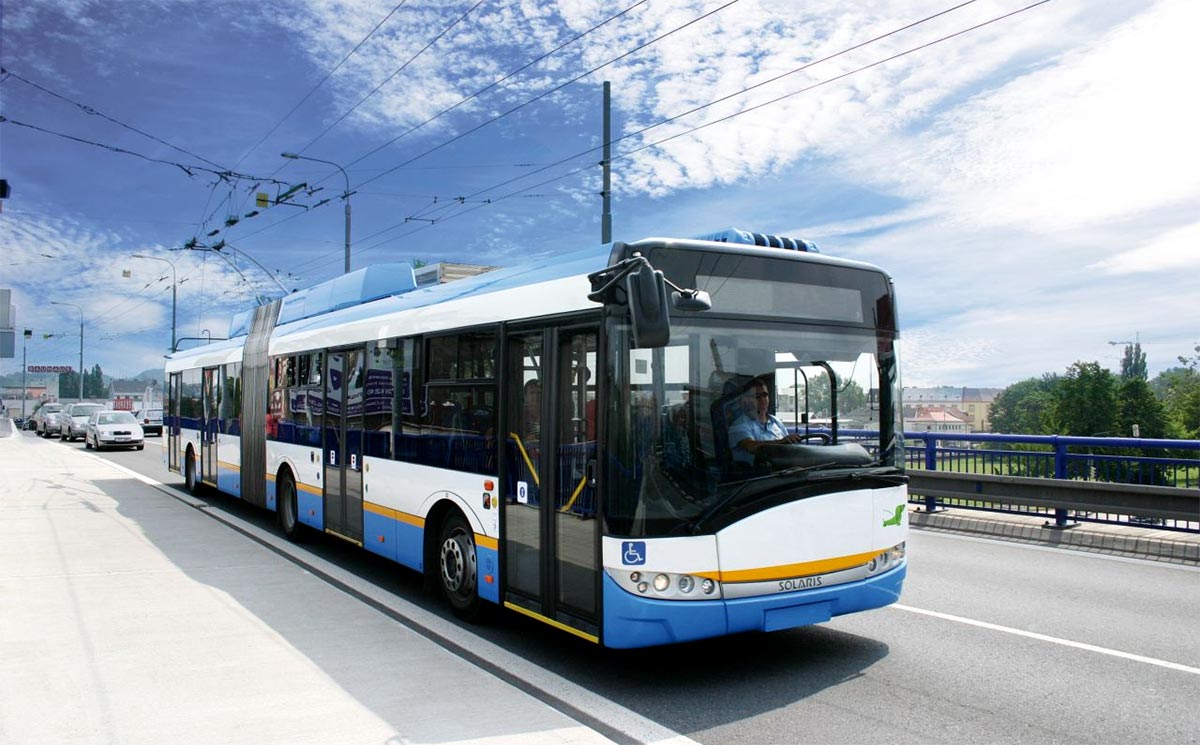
(1051, 639)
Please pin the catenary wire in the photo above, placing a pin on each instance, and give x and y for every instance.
(546, 93)
(396, 72)
(677, 135)
(321, 82)
(511, 74)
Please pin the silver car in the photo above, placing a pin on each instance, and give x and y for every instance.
(45, 419)
(72, 422)
(151, 420)
(113, 429)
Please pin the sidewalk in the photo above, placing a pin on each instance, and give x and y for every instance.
(1134, 542)
(128, 616)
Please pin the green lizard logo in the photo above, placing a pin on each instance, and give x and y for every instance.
(895, 519)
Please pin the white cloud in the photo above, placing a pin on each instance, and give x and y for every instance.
(1174, 250)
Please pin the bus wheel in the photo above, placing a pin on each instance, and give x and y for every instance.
(287, 510)
(456, 565)
(190, 479)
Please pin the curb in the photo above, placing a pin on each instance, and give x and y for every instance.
(1130, 542)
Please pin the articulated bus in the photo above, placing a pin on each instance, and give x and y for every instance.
(577, 439)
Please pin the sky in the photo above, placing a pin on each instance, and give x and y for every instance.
(1029, 176)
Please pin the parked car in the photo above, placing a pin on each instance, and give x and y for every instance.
(113, 429)
(151, 420)
(45, 419)
(72, 422)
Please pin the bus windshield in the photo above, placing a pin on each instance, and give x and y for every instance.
(734, 416)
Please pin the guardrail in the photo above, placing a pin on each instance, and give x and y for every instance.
(1135, 481)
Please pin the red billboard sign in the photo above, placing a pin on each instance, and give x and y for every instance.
(50, 369)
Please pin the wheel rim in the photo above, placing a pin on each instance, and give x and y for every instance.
(458, 564)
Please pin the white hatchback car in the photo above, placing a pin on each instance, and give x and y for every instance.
(113, 429)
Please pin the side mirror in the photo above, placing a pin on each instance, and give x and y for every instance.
(648, 308)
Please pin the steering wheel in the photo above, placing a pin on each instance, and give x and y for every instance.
(820, 437)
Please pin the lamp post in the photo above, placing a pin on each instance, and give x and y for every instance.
(297, 156)
(24, 368)
(80, 309)
(174, 285)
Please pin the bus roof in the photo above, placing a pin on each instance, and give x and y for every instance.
(368, 303)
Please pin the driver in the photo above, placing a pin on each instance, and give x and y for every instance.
(756, 426)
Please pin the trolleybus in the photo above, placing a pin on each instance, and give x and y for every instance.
(574, 439)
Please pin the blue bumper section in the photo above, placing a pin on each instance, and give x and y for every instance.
(632, 621)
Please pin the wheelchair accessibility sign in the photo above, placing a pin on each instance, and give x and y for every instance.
(633, 553)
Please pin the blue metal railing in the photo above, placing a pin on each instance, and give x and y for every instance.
(1120, 460)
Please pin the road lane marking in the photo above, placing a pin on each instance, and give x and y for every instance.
(1052, 639)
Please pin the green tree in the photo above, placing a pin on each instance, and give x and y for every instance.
(1137, 404)
(93, 383)
(1179, 391)
(851, 396)
(1086, 401)
(1133, 363)
(1026, 407)
(68, 384)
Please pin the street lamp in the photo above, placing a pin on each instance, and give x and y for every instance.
(80, 309)
(297, 156)
(174, 284)
(24, 368)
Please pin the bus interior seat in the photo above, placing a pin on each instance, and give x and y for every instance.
(723, 411)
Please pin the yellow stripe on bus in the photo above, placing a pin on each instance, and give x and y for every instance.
(481, 540)
(539, 617)
(403, 517)
(788, 571)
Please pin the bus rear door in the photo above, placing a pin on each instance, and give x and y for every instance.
(209, 427)
(343, 436)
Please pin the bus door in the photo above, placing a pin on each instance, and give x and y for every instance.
(208, 429)
(551, 534)
(172, 421)
(342, 445)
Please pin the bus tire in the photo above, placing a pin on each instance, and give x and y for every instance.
(191, 479)
(457, 568)
(287, 508)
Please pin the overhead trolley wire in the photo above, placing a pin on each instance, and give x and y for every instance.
(546, 93)
(735, 94)
(396, 72)
(629, 153)
(528, 102)
(497, 82)
(94, 112)
(322, 81)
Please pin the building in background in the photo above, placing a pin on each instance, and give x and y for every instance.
(974, 405)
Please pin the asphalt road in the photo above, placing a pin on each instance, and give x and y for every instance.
(993, 643)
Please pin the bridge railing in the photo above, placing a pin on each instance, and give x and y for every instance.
(1124, 480)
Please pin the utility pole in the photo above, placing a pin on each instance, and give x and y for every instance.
(174, 287)
(80, 309)
(606, 165)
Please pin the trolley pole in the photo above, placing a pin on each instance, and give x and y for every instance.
(606, 165)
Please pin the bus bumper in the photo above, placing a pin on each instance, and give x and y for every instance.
(631, 621)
